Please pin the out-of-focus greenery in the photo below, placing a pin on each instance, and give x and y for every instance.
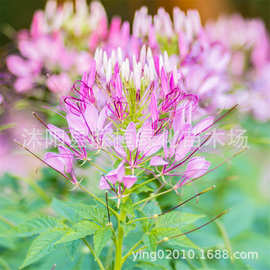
(245, 228)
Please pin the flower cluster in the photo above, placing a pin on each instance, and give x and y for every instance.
(223, 63)
(202, 62)
(60, 44)
(136, 112)
(249, 44)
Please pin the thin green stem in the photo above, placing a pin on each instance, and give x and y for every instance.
(175, 207)
(118, 247)
(8, 222)
(165, 239)
(140, 219)
(142, 184)
(131, 250)
(225, 238)
(152, 196)
(94, 254)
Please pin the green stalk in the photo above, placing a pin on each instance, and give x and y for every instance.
(225, 237)
(118, 247)
(142, 184)
(94, 254)
(132, 250)
(8, 222)
(152, 196)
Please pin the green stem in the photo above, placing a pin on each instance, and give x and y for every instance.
(142, 184)
(94, 254)
(5, 220)
(131, 250)
(225, 238)
(118, 247)
(152, 196)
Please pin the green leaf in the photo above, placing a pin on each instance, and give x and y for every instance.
(37, 226)
(78, 231)
(79, 211)
(177, 219)
(42, 246)
(151, 208)
(101, 237)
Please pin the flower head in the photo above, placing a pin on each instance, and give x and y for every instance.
(136, 111)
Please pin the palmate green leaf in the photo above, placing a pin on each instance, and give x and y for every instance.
(78, 231)
(79, 211)
(182, 241)
(177, 219)
(42, 246)
(101, 238)
(37, 225)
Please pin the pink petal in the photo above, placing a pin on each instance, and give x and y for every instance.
(130, 136)
(67, 157)
(203, 125)
(30, 50)
(154, 110)
(59, 134)
(117, 174)
(77, 128)
(61, 161)
(102, 118)
(154, 145)
(184, 147)
(145, 135)
(91, 117)
(55, 161)
(38, 26)
(157, 161)
(103, 184)
(23, 84)
(164, 82)
(60, 84)
(196, 167)
(17, 66)
(129, 180)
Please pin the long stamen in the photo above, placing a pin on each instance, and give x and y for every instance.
(190, 155)
(189, 199)
(219, 165)
(43, 161)
(60, 139)
(195, 229)
(220, 118)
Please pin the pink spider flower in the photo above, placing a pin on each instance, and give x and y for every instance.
(135, 111)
